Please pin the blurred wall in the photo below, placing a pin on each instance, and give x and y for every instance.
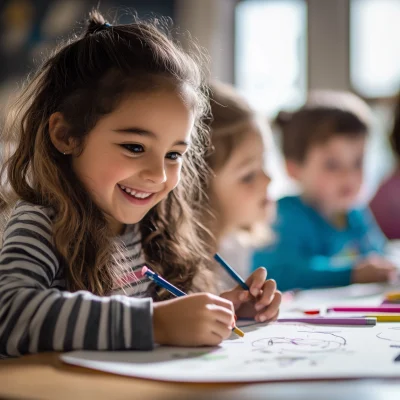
(30, 28)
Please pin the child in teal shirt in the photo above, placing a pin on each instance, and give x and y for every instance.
(322, 239)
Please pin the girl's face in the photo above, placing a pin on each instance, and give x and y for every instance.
(132, 158)
(239, 189)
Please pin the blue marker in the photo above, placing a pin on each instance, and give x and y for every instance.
(231, 271)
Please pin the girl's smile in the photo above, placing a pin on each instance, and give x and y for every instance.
(135, 196)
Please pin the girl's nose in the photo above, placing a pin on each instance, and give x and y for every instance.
(154, 172)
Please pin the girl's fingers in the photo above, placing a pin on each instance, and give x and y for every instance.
(237, 295)
(223, 316)
(268, 291)
(269, 312)
(244, 296)
(221, 330)
(256, 281)
(222, 302)
(275, 317)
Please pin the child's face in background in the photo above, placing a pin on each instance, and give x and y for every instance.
(332, 173)
(239, 189)
(138, 148)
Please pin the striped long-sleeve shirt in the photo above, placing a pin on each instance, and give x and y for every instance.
(38, 314)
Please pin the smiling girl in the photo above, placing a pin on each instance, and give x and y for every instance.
(104, 176)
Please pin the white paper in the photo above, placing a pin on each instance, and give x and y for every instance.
(271, 352)
(371, 294)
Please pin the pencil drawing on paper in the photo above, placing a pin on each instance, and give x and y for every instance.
(391, 334)
(304, 342)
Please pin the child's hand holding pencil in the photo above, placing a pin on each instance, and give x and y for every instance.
(256, 298)
(199, 319)
(191, 320)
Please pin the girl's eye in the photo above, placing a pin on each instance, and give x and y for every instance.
(133, 148)
(249, 177)
(174, 155)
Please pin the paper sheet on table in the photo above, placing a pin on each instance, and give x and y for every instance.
(271, 352)
(357, 294)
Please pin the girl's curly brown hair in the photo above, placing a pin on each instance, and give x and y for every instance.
(85, 79)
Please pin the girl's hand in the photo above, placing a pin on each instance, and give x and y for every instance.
(262, 303)
(200, 319)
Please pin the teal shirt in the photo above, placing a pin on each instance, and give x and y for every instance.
(310, 252)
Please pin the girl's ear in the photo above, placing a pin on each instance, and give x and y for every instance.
(58, 131)
(293, 169)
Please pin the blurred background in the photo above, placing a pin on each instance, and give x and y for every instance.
(274, 51)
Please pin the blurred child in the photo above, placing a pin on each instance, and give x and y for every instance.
(386, 203)
(322, 239)
(106, 167)
(238, 191)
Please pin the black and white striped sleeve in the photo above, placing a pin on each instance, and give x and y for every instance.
(35, 317)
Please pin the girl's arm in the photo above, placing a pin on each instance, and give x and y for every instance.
(35, 317)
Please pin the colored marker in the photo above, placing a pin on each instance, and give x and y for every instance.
(392, 302)
(385, 318)
(379, 309)
(174, 290)
(312, 312)
(332, 321)
(231, 271)
(393, 296)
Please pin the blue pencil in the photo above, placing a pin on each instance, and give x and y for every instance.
(231, 271)
(162, 282)
(174, 290)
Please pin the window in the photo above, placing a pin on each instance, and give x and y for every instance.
(375, 47)
(270, 53)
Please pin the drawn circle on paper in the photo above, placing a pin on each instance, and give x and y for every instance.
(302, 342)
(390, 334)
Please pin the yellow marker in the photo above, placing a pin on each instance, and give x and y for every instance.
(386, 317)
(394, 296)
(241, 333)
